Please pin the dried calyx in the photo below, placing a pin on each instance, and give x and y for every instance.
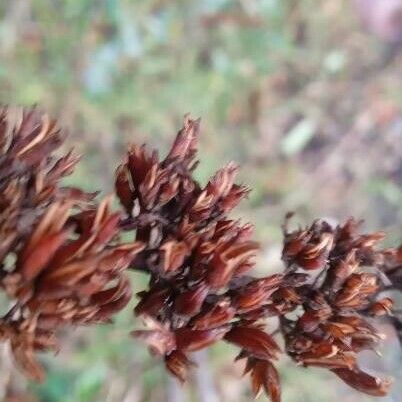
(62, 264)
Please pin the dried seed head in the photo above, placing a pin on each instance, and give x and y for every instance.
(60, 280)
(197, 257)
(334, 326)
(30, 173)
(68, 268)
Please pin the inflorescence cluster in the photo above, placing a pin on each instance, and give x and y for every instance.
(63, 264)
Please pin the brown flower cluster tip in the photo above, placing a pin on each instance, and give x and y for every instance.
(30, 172)
(198, 259)
(338, 300)
(60, 263)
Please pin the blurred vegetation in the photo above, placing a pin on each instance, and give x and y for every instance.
(297, 92)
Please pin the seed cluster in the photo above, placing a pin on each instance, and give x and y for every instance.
(60, 265)
(63, 264)
(337, 300)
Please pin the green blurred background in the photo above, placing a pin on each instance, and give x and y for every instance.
(304, 94)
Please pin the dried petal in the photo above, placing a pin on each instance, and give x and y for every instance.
(254, 341)
(178, 364)
(190, 302)
(191, 340)
(264, 375)
(364, 382)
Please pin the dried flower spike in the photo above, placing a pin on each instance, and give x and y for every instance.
(197, 258)
(200, 290)
(59, 280)
(62, 264)
(30, 173)
(338, 303)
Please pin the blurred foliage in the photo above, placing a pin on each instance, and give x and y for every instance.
(295, 91)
